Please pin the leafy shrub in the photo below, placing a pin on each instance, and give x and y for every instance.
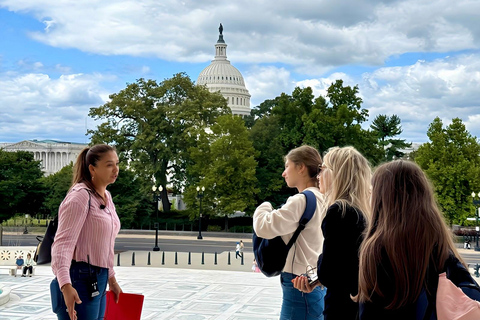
(214, 228)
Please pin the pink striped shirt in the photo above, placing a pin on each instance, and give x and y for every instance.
(82, 232)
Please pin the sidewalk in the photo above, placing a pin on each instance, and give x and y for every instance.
(169, 294)
(172, 291)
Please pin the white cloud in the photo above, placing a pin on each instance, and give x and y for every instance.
(445, 88)
(282, 44)
(311, 36)
(320, 86)
(145, 70)
(267, 83)
(35, 102)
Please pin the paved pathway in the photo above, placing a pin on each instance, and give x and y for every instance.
(185, 291)
(170, 293)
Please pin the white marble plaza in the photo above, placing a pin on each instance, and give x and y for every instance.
(169, 294)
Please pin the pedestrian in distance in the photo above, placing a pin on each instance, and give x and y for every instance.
(406, 247)
(83, 250)
(237, 250)
(242, 248)
(255, 266)
(345, 180)
(19, 262)
(28, 266)
(301, 169)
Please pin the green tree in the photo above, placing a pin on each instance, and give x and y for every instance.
(134, 207)
(386, 128)
(289, 121)
(451, 160)
(57, 186)
(21, 189)
(153, 126)
(225, 164)
(340, 122)
(269, 156)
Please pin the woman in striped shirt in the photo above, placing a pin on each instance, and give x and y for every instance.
(83, 251)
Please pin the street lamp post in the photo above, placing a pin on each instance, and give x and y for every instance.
(156, 198)
(476, 204)
(25, 231)
(200, 196)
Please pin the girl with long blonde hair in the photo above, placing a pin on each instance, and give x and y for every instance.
(345, 180)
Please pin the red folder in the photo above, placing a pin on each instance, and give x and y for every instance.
(129, 306)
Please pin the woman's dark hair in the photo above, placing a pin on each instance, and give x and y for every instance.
(88, 156)
(408, 226)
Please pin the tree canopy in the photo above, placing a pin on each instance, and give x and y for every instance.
(57, 185)
(153, 125)
(21, 189)
(386, 127)
(289, 121)
(224, 164)
(451, 160)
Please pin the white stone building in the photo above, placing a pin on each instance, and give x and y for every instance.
(53, 154)
(221, 76)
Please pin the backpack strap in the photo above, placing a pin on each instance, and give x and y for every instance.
(310, 208)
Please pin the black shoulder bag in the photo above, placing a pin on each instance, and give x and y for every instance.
(43, 253)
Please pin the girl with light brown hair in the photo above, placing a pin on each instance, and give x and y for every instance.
(406, 246)
(345, 180)
(301, 169)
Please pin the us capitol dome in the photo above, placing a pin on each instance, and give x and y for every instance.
(221, 76)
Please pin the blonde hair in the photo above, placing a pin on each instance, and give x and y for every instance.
(350, 179)
(309, 157)
(408, 227)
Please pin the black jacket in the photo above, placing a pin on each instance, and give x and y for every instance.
(424, 308)
(338, 263)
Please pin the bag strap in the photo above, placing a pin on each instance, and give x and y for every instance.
(310, 208)
(55, 220)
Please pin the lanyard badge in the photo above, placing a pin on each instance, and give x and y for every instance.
(92, 285)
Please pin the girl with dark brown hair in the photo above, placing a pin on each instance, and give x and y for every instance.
(406, 246)
(83, 250)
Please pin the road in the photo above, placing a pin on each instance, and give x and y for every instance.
(131, 242)
(146, 243)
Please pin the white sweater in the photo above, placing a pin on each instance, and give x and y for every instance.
(269, 223)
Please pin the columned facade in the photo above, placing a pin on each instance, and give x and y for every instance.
(54, 155)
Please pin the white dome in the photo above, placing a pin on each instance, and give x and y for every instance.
(221, 76)
(220, 72)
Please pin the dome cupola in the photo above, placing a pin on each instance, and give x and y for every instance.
(221, 76)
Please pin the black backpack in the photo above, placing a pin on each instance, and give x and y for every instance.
(271, 254)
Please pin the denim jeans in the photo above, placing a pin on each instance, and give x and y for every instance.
(89, 309)
(297, 305)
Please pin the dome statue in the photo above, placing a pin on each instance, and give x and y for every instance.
(221, 76)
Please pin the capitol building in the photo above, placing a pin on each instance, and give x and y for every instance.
(221, 76)
(53, 154)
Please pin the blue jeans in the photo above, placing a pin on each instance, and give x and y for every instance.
(297, 305)
(89, 309)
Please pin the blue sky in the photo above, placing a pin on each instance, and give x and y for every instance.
(417, 59)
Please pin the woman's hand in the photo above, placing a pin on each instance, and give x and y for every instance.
(301, 283)
(71, 297)
(115, 288)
